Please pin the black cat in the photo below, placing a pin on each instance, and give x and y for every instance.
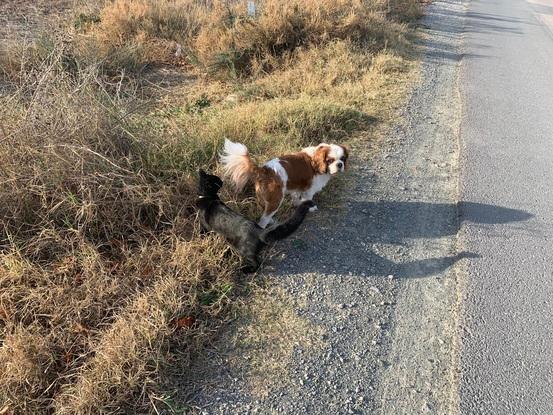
(240, 232)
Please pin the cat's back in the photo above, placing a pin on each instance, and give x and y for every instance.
(232, 225)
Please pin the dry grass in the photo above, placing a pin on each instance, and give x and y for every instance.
(106, 285)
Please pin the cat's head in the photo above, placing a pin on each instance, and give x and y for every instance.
(208, 185)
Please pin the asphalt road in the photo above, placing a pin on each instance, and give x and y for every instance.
(507, 160)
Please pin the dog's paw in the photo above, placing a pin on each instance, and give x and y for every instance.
(313, 208)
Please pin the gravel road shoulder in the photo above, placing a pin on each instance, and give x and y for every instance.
(374, 274)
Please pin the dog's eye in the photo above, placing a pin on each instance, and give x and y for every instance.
(329, 161)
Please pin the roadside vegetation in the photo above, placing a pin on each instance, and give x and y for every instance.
(107, 290)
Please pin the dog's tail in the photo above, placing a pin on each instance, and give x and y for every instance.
(289, 227)
(237, 163)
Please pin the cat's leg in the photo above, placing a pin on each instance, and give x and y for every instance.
(251, 266)
(252, 262)
(204, 227)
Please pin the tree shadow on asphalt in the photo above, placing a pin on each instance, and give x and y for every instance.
(350, 240)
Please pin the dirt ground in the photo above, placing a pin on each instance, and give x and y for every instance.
(24, 18)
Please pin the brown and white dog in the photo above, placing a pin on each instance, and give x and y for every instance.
(299, 174)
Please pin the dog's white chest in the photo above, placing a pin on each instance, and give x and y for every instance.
(319, 181)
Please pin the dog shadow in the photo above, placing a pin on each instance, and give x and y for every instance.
(361, 238)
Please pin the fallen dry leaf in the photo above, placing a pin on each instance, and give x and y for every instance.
(185, 322)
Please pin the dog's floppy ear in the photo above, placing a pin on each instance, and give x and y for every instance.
(318, 160)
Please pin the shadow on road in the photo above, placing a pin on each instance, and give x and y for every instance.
(392, 226)
(453, 24)
(490, 214)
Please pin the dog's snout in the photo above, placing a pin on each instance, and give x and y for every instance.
(340, 164)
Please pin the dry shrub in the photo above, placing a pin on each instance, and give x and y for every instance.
(90, 234)
(18, 57)
(236, 43)
(177, 20)
(405, 10)
(364, 82)
(24, 357)
(72, 161)
(221, 38)
(130, 33)
(317, 71)
(126, 361)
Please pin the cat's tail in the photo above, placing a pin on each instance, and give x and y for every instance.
(237, 163)
(289, 227)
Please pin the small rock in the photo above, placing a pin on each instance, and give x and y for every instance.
(390, 277)
(232, 98)
(374, 290)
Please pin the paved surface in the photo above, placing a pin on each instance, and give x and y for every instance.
(507, 136)
(543, 9)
